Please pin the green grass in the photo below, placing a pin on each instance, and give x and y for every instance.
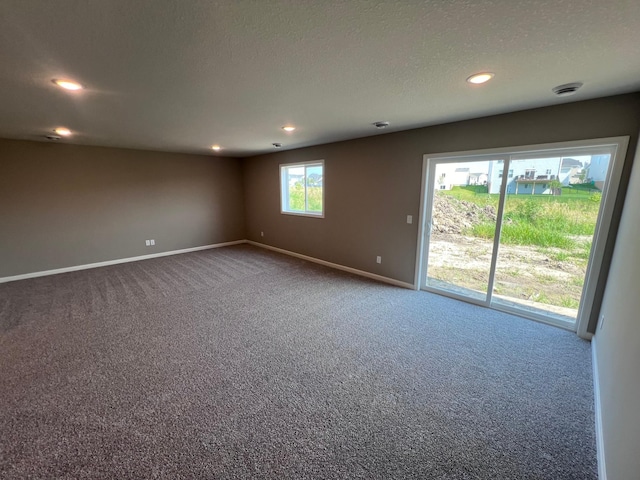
(473, 193)
(560, 256)
(584, 251)
(547, 279)
(537, 220)
(478, 194)
(523, 233)
(586, 189)
(296, 198)
(569, 302)
(540, 297)
(577, 281)
(559, 227)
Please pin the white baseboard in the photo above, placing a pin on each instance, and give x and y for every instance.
(337, 266)
(115, 262)
(602, 469)
(74, 268)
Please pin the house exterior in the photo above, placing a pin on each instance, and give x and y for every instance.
(478, 178)
(597, 170)
(533, 176)
(570, 171)
(460, 176)
(449, 175)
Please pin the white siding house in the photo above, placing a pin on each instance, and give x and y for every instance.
(597, 169)
(532, 176)
(478, 178)
(450, 175)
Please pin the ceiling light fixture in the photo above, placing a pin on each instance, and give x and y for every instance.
(478, 78)
(65, 132)
(67, 84)
(217, 148)
(288, 128)
(380, 124)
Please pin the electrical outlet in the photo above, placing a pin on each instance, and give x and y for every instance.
(409, 218)
(153, 242)
(378, 259)
(147, 242)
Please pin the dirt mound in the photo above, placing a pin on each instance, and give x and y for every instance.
(451, 215)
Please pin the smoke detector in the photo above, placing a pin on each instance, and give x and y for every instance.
(566, 89)
(380, 124)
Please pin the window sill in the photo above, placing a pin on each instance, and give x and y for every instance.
(304, 214)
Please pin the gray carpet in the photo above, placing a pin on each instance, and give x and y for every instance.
(243, 363)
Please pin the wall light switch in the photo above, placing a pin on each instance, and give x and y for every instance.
(147, 242)
(378, 259)
(153, 242)
(409, 218)
(262, 234)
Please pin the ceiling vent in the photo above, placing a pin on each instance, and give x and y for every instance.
(566, 89)
(380, 124)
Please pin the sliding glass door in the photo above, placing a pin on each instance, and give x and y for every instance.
(520, 230)
(459, 260)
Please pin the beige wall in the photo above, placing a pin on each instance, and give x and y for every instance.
(617, 345)
(373, 183)
(65, 205)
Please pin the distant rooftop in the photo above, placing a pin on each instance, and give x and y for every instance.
(571, 162)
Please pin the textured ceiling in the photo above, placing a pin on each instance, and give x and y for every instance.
(181, 75)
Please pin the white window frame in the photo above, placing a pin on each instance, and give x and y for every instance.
(284, 189)
(600, 237)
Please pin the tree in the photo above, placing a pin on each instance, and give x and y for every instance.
(582, 176)
(556, 187)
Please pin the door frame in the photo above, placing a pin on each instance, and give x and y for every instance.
(603, 223)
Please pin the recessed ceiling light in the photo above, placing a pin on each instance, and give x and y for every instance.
(288, 128)
(67, 84)
(217, 148)
(479, 78)
(277, 145)
(65, 132)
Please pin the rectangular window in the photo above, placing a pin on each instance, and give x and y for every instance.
(511, 173)
(500, 174)
(301, 189)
